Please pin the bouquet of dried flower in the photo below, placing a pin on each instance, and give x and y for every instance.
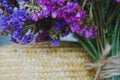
(94, 23)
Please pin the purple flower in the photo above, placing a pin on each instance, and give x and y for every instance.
(44, 2)
(45, 12)
(6, 5)
(39, 15)
(55, 42)
(16, 36)
(54, 14)
(17, 18)
(33, 16)
(80, 15)
(14, 40)
(60, 14)
(27, 39)
(61, 2)
(74, 27)
(59, 25)
(90, 33)
(81, 31)
(4, 23)
(52, 6)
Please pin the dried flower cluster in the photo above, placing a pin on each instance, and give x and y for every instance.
(37, 20)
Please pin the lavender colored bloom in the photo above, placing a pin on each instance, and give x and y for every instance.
(90, 33)
(14, 40)
(74, 27)
(55, 42)
(60, 14)
(6, 5)
(59, 25)
(81, 31)
(54, 14)
(63, 13)
(61, 2)
(45, 12)
(20, 15)
(52, 6)
(27, 39)
(16, 36)
(33, 17)
(17, 18)
(39, 15)
(44, 2)
(3, 23)
(73, 5)
(80, 15)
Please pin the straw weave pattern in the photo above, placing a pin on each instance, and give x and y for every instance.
(44, 62)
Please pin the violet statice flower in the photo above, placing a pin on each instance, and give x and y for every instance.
(33, 16)
(39, 15)
(55, 42)
(90, 33)
(70, 13)
(16, 36)
(45, 11)
(6, 5)
(44, 2)
(3, 23)
(80, 15)
(59, 25)
(61, 2)
(52, 6)
(74, 27)
(81, 31)
(54, 14)
(60, 14)
(17, 18)
(27, 39)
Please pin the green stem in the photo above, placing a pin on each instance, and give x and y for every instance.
(110, 19)
(101, 39)
(84, 4)
(93, 48)
(86, 47)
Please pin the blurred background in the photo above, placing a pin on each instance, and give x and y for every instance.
(5, 40)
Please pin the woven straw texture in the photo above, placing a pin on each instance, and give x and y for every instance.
(44, 62)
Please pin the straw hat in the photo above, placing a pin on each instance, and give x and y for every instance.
(44, 62)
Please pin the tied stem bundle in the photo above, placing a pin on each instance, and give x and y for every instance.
(105, 68)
